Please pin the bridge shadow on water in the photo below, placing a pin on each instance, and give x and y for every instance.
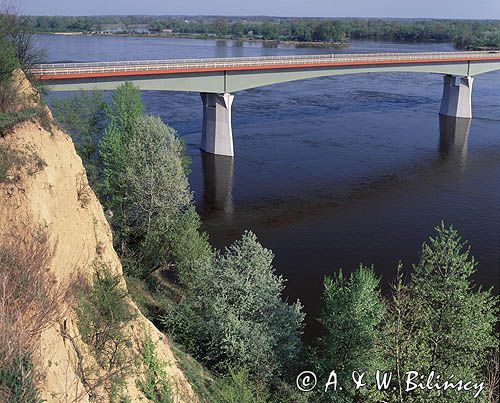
(217, 184)
(453, 136)
(218, 180)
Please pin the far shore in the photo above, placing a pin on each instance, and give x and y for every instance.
(297, 44)
(208, 37)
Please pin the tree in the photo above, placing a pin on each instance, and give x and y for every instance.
(352, 315)
(9, 94)
(220, 26)
(238, 29)
(233, 314)
(156, 188)
(18, 30)
(84, 117)
(440, 321)
(456, 325)
(126, 107)
(328, 31)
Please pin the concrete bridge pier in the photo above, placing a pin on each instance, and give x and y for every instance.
(217, 133)
(457, 97)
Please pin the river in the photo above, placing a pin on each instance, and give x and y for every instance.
(331, 172)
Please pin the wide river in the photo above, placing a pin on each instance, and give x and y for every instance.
(335, 171)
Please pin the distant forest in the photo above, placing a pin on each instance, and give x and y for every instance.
(462, 33)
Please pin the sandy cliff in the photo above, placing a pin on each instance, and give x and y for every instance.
(55, 196)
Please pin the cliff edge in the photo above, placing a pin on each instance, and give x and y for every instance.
(47, 190)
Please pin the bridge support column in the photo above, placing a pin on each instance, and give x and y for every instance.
(217, 133)
(457, 94)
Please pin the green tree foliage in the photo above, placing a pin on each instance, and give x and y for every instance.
(156, 188)
(154, 383)
(8, 61)
(187, 243)
(238, 387)
(17, 381)
(352, 315)
(103, 312)
(138, 167)
(126, 108)
(84, 116)
(233, 314)
(463, 33)
(440, 322)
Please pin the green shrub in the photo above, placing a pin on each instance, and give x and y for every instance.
(352, 316)
(187, 244)
(449, 321)
(196, 374)
(237, 387)
(12, 161)
(17, 383)
(103, 311)
(84, 117)
(9, 119)
(233, 314)
(8, 159)
(154, 384)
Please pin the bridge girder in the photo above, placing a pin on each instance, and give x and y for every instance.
(232, 81)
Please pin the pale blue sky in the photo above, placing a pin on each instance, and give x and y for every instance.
(307, 8)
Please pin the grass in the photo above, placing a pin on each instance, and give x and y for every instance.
(197, 375)
(10, 159)
(9, 120)
(155, 297)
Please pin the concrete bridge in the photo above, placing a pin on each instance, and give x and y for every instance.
(217, 79)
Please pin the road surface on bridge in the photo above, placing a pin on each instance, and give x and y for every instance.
(61, 71)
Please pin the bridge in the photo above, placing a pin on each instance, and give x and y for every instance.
(217, 79)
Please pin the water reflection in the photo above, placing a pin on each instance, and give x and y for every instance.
(453, 135)
(217, 185)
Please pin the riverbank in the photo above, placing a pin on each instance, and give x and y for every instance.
(309, 44)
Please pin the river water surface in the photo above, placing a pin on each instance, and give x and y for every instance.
(332, 172)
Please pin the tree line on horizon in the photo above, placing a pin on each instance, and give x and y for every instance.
(462, 33)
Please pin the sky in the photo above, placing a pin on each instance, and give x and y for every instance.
(463, 9)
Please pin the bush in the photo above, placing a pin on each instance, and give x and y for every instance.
(233, 314)
(154, 384)
(187, 244)
(440, 321)
(237, 387)
(352, 316)
(17, 383)
(103, 311)
(14, 161)
(8, 159)
(30, 302)
(10, 119)
(84, 117)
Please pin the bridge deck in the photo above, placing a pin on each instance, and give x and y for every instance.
(61, 71)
